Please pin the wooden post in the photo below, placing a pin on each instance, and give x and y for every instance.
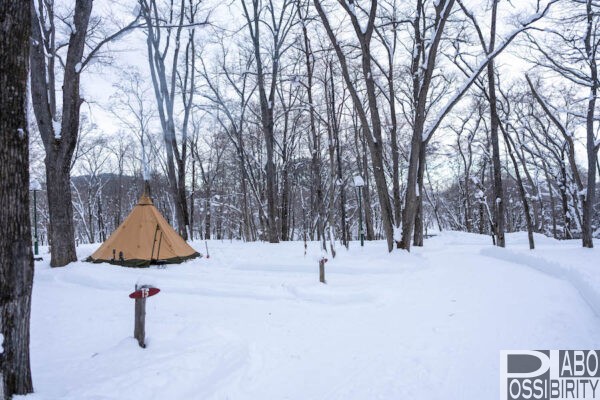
(322, 262)
(139, 331)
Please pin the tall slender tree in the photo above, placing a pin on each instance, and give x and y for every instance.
(278, 18)
(369, 115)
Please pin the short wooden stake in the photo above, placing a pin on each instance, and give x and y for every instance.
(139, 330)
(322, 262)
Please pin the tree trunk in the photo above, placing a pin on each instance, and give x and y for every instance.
(248, 220)
(371, 127)
(494, 122)
(591, 146)
(522, 193)
(345, 230)
(418, 233)
(411, 202)
(101, 229)
(192, 199)
(208, 212)
(285, 206)
(481, 205)
(421, 81)
(16, 258)
(183, 219)
(366, 193)
(315, 149)
(61, 233)
(59, 143)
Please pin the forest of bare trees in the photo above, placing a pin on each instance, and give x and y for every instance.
(472, 116)
(283, 120)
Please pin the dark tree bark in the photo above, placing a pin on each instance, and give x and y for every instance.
(340, 178)
(591, 46)
(60, 131)
(499, 216)
(280, 27)
(366, 194)
(369, 116)
(16, 259)
(422, 69)
(419, 220)
(165, 89)
(316, 204)
(59, 135)
(390, 48)
(285, 181)
(522, 192)
(232, 124)
(575, 59)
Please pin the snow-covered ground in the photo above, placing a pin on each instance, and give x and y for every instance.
(252, 322)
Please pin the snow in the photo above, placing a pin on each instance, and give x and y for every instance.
(565, 260)
(34, 184)
(57, 129)
(397, 233)
(358, 181)
(78, 67)
(252, 322)
(462, 89)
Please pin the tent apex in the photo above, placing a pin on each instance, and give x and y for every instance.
(145, 200)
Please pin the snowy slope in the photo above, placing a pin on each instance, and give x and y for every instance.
(252, 322)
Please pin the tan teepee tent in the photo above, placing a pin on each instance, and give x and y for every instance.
(144, 238)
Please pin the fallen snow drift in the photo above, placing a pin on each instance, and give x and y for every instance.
(252, 322)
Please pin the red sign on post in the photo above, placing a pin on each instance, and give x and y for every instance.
(144, 292)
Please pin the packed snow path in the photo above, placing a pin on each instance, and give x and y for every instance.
(252, 322)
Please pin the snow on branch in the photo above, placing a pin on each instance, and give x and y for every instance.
(477, 71)
(546, 107)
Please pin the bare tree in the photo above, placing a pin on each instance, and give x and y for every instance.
(425, 52)
(175, 27)
(279, 19)
(494, 123)
(572, 54)
(60, 129)
(370, 119)
(317, 211)
(228, 92)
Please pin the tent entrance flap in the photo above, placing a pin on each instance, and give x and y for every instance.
(154, 243)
